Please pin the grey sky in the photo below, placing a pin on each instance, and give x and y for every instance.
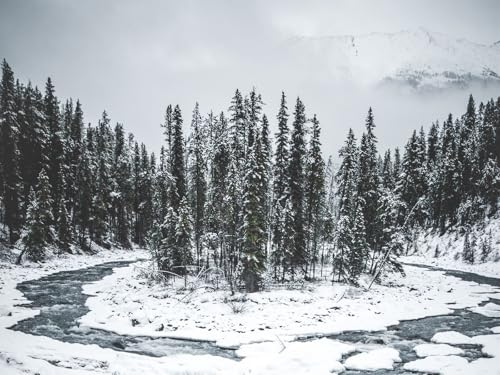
(135, 57)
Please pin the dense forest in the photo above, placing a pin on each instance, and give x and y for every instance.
(232, 197)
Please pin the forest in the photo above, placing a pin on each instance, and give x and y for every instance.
(225, 193)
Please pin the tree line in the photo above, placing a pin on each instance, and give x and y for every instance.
(231, 197)
(64, 184)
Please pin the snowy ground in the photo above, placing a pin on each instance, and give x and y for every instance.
(126, 304)
(263, 331)
(449, 249)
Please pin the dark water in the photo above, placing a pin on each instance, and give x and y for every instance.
(61, 302)
(410, 333)
(60, 298)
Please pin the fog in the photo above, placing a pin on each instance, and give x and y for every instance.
(134, 58)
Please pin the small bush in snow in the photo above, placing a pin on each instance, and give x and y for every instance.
(238, 304)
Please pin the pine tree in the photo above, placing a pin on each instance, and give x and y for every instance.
(218, 199)
(254, 237)
(448, 190)
(314, 194)
(280, 187)
(32, 140)
(369, 181)
(55, 150)
(387, 172)
(10, 178)
(197, 178)
(182, 257)
(64, 235)
(486, 247)
(412, 182)
(122, 189)
(359, 247)
(466, 147)
(296, 183)
(38, 232)
(468, 253)
(347, 181)
(178, 167)
(167, 244)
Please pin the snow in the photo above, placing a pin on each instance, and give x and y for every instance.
(495, 329)
(451, 337)
(450, 246)
(376, 359)
(436, 364)
(311, 357)
(264, 333)
(491, 310)
(420, 55)
(316, 310)
(426, 350)
(454, 365)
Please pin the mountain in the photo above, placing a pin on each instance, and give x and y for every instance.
(419, 59)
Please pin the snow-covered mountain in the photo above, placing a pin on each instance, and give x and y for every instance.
(418, 58)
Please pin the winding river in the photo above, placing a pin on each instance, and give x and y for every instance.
(61, 302)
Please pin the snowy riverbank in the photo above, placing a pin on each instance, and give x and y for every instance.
(263, 331)
(124, 303)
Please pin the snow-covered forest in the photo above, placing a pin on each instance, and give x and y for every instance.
(225, 194)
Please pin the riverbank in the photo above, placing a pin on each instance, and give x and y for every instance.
(126, 303)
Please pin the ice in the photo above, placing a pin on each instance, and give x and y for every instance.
(425, 350)
(491, 310)
(320, 356)
(451, 337)
(436, 364)
(373, 360)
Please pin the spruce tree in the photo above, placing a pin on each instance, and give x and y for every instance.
(254, 237)
(178, 164)
(358, 250)
(197, 179)
(182, 257)
(281, 189)
(64, 235)
(314, 194)
(369, 181)
(10, 178)
(347, 181)
(298, 259)
(55, 150)
(38, 232)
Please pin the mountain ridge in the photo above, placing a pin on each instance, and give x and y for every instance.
(419, 58)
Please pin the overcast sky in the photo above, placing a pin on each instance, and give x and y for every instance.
(133, 58)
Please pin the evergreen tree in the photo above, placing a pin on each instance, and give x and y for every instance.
(55, 150)
(178, 167)
(182, 257)
(10, 178)
(122, 189)
(254, 238)
(347, 181)
(64, 235)
(448, 190)
(359, 247)
(369, 181)
(468, 253)
(314, 194)
(296, 183)
(387, 172)
(198, 183)
(38, 232)
(218, 199)
(280, 187)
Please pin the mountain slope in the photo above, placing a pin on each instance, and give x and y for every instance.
(420, 59)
